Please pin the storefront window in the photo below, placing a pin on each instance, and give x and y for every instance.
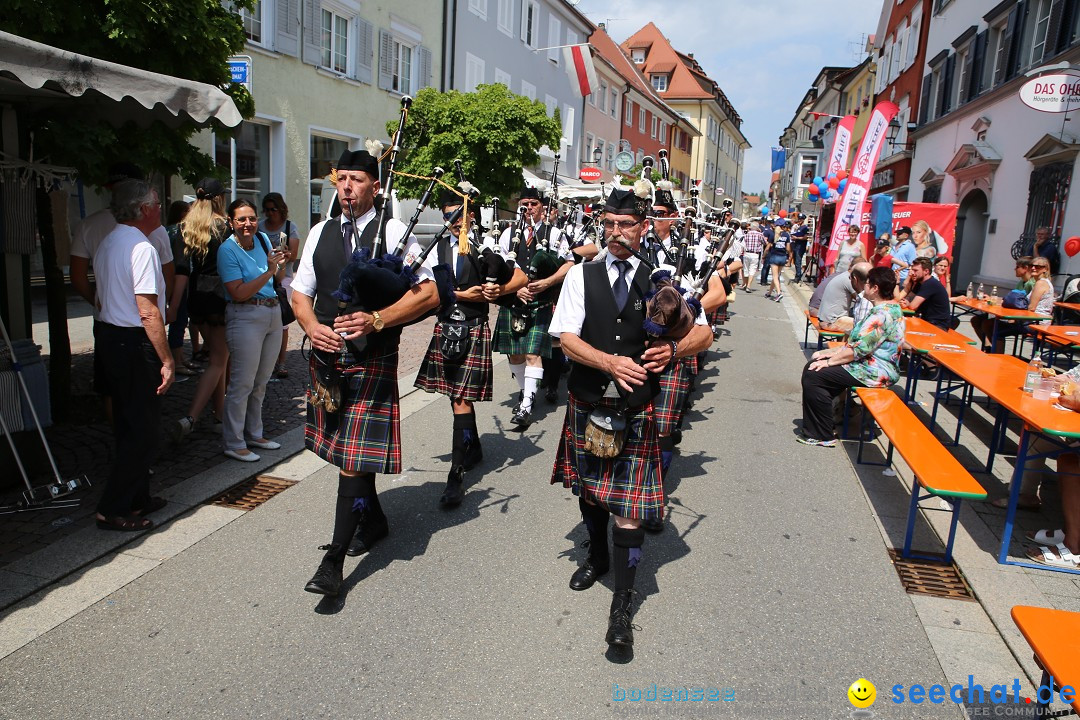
(252, 171)
(324, 153)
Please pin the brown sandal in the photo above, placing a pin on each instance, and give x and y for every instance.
(125, 523)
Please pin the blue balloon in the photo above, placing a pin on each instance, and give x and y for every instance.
(819, 181)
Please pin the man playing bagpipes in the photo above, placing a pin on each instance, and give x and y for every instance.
(458, 360)
(522, 331)
(353, 418)
(608, 452)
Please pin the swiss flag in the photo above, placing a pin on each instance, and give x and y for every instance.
(579, 66)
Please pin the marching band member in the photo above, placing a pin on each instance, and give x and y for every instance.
(458, 360)
(599, 319)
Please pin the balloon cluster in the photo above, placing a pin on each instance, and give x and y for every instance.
(828, 189)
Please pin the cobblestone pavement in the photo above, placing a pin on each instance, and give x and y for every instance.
(84, 445)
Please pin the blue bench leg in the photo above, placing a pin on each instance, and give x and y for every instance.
(913, 511)
(806, 335)
(955, 502)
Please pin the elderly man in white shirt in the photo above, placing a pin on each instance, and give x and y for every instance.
(134, 352)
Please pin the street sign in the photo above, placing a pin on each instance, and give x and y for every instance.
(240, 70)
(590, 174)
(1055, 93)
(624, 162)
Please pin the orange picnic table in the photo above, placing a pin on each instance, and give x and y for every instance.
(998, 312)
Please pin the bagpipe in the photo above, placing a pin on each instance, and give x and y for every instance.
(545, 260)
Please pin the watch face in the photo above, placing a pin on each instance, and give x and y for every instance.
(624, 161)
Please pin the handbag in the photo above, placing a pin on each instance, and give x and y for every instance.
(287, 315)
(605, 432)
(454, 340)
(1015, 300)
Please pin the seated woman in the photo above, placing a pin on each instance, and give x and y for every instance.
(868, 359)
(983, 324)
(1040, 300)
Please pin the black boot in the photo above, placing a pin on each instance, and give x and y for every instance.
(372, 525)
(474, 453)
(599, 561)
(455, 488)
(620, 630)
(327, 579)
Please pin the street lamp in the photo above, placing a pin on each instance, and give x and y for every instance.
(894, 131)
(597, 153)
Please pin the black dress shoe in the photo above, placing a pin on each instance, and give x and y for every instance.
(474, 454)
(552, 394)
(586, 575)
(455, 488)
(676, 436)
(620, 631)
(522, 418)
(327, 579)
(371, 530)
(653, 525)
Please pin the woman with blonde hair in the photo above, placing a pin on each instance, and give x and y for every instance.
(203, 230)
(923, 237)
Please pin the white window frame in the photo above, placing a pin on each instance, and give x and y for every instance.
(337, 13)
(613, 107)
(913, 28)
(264, 20)
(1034, 56)
(551, 104)
(637, 55)
(568, 125)
(628, 113)
(475, 69)
(654, 127)
(610, 158)
(529, 32)
(554, 33)
(603, 99)
(590, 141)
(998, 58)
(501, 76)
(505, 21)
(528, 89)
(961, 77)
(479, 8)
(414, 66)
(641, 119)
(660, 133)
(660, 82)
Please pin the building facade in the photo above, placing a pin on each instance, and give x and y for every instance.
(900, 56)
(806, 138)
(1008, 166)
(325, 76)
(716, 155)
(504, 41)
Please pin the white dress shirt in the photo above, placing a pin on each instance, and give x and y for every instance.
(305, 282)
(126, 265)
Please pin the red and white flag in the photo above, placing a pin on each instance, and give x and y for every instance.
(841, 146)
(850, 208)
(579, 66)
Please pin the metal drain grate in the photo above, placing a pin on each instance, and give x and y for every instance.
(251, 493)
(923, 577)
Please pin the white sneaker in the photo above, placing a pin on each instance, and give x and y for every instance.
(235, 455)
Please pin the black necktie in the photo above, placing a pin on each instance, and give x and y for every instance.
(620, 289)
(347, 235)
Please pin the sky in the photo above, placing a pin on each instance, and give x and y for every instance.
(764, 54)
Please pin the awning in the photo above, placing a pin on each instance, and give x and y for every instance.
(40, 75)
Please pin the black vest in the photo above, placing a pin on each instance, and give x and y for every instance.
(469, 277)
(329, 260)
(613, 332)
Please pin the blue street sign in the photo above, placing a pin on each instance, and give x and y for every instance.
(240, 70)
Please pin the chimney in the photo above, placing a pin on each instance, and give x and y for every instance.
(690, 55)
(602, 26)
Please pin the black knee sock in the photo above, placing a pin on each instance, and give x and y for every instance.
(596, 522)
(552, 371)
(345, 519)
(464, 431)
(626, 555)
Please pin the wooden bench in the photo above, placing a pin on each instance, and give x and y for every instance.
(1054, 637)
(822, 335)
(936, 471)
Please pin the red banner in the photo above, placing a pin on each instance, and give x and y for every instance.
(940, 218)
(850, 208)
(841, 146)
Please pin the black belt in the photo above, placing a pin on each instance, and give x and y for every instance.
(468, 322)
(122, 329)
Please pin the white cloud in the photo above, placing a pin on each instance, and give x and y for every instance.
(764, 53)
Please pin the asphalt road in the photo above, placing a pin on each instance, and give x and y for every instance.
(771, 584)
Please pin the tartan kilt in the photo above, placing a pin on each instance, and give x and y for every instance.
(629, 485)
(467, 379)
(668, 405)
(714, 316)
(535, 341)
(692, 365)
(364, 435)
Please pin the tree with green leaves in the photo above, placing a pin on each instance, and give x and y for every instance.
(190, 39)
(494, 132)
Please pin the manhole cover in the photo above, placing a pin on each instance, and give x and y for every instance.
(925, 577)
(251, 493)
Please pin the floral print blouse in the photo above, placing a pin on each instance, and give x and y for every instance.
(876, 343)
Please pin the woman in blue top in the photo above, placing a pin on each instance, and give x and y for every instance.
(247, 264)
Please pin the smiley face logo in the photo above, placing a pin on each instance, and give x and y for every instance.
(862, 693)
